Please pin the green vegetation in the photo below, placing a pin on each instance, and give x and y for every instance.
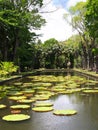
(27, 99)
(91, 91)
(64, 112)
(42, 109)
(16, 117)
(16, 97)
(43, 104)
(23, 48)
(7, 68)
(20, 107)
(2, 106)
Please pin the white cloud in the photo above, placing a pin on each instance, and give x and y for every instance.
(56, 27)
(73, 2)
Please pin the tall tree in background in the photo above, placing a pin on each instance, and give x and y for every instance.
(77, 16)
(91, 23)
(17, 18)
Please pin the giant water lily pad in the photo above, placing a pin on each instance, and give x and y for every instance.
(64, 112)
(28, 91)
(18, 83)
(42, 109)
(26, 100)
(14, 93)
(91, 91)
(42, 97)
(20, 106)
(16, 117)
(43, 104)
(17, 97)
(2, 106)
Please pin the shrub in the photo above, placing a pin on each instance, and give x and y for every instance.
(7, 68)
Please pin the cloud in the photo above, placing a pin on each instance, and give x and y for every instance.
(56, 27)
(73, 2)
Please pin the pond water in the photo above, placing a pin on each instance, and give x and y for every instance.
(86, 118)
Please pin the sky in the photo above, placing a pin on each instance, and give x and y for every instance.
(56, 27)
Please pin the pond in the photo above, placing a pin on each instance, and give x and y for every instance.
(85, 103)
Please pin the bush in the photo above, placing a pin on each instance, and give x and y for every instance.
(7, 68)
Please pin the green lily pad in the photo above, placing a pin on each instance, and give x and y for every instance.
(14, 93)
(42, 109)
(20, 106)
(16, 117)
(18, 83)
(42, 97)
(17, 98)
(64, 112)
(26, 100)
(2, 106)
(91, 91)
(43, 104)
(28, 91)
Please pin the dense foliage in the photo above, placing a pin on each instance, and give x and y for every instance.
(17, 18)
(7, 68)
(20, 44)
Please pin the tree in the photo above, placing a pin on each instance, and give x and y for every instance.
(74, 49)
(17, 18)
(91, 22)
(49, 49)
(77, 15)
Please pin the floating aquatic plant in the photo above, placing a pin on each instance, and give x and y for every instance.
(43, 104)
(20, 106)
(42, 109)
(2, 106)
(17, 97)
(91, 91)
(26, 100)
(14, 93)
(16, 117)
(64, 112)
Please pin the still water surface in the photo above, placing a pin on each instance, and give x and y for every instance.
(86, 119)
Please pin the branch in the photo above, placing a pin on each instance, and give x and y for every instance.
(46, 4)
(49, 11)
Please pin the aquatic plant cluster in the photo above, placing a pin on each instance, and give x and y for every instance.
(35, 94)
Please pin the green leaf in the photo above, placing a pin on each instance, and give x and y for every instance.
(16, 117)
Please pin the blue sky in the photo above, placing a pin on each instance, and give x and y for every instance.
(62, 3)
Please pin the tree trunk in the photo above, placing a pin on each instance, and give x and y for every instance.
(15, 47)
(96, 59)
(91, 59)
(5, 50)
(85, 59)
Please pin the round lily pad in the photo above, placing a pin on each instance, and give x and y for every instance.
(43, 104)
(64, 112)
(17, 97)
(26, 100)
(42, 98)
(16, 117)
(91, 91)
(2, 106)
(20, 106)
(14, 93)
(42, 109)
(18, 83)
(28, 91)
